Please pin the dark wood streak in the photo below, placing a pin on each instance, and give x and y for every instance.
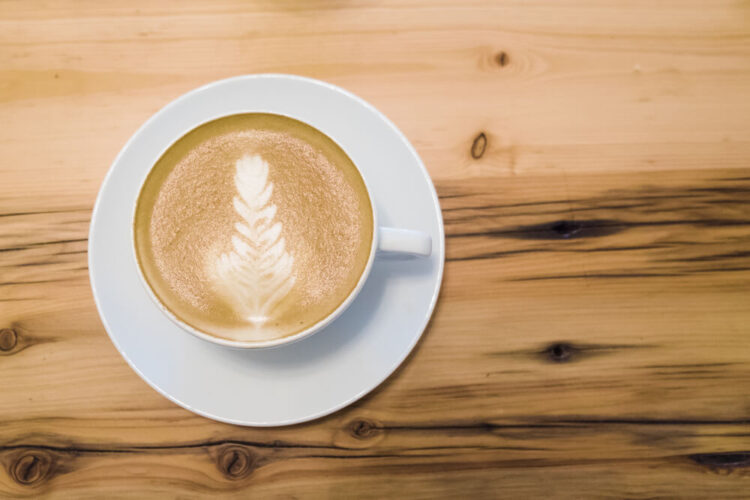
(722, 190)
(691, 365)
(566, 211)
(555, 230)
(452, 196)
(561, 352)
(237, 464)
(369, 455)
(43, 212)
(592, 200)
(644, 200)
(599, 228)
(622, 248)
(30, 282)
(52, 259)
(79, 221)
(34, 263)
(72, 252)
(237, 460)
(710, 258)
(695, 372)
(598, 276)
(566, 351)
(227, 451)
(449, 191)
(529, 422)
(488, 221)
(632, 275)
(31, 465)
(499, 206)
(42, 243)
(479, 146)
(650, 421)
(732, 269)
(561, 422)
(570, 229)
(495, 255)
(581, 204)
(726, 460)
(99, 449)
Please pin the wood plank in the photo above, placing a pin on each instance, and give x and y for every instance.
(591, 338)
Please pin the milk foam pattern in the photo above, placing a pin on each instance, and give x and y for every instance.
(258, 272)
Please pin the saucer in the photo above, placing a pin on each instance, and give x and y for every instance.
(319, 374)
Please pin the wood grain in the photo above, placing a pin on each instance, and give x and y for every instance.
(592, 338)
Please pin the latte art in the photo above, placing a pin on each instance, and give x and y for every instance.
(258, 273)
(253, 227)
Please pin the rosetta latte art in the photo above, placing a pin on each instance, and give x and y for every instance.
(259, 272)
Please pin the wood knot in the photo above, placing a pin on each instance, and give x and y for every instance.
(502, 59)
(236, 462)
(566, 228)
(15, 338)
(8, 339)
(479, 146)
(365, 429)
(560, 352)
(31, 468)
(731, 460)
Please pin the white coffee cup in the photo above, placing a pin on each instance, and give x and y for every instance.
(385, 240)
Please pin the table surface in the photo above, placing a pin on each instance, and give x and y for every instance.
(592, 338)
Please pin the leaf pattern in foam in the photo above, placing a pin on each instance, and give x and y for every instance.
(258, 273)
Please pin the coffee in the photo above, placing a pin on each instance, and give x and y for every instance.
(253, 227)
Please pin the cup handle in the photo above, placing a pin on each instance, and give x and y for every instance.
(404, 241)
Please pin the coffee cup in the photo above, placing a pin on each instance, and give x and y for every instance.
(255, 229)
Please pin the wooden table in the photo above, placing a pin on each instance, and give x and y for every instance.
(593, 163)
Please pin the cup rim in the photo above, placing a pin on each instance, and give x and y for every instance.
(245, 344)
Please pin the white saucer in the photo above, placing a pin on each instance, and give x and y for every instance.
(319, 374)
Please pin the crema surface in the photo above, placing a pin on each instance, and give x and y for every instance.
(253, 227)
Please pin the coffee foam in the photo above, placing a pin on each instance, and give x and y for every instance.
(258, 273)
(253, 227)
